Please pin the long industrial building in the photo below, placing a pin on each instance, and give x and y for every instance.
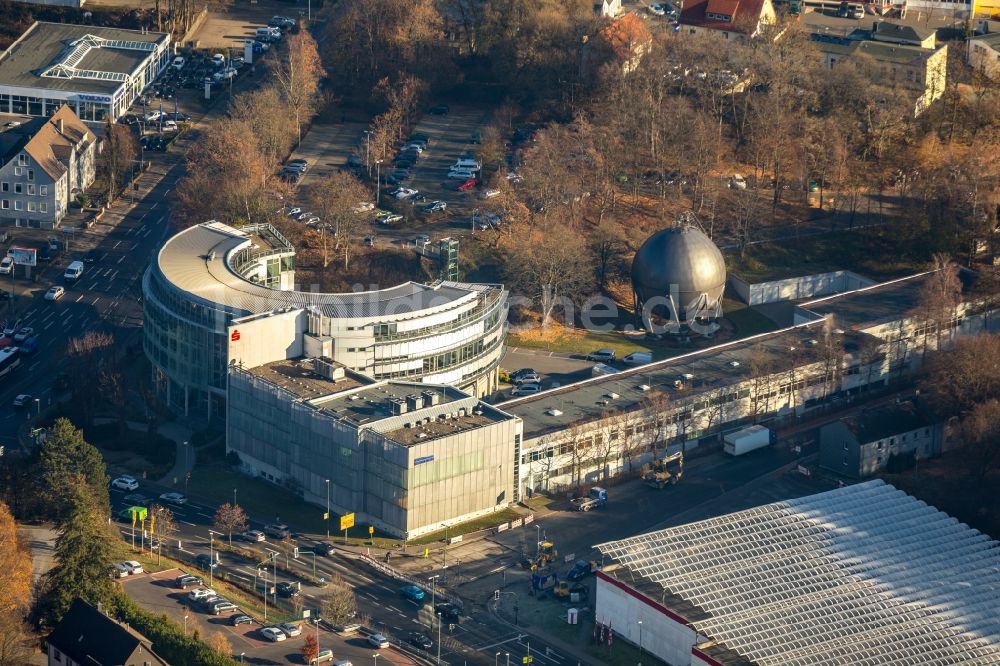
(833, 348)
(863, 575)
(216, 296)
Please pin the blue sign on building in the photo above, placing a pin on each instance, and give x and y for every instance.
(423, 459)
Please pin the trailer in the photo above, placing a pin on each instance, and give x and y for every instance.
(748, 439)
(595, 499)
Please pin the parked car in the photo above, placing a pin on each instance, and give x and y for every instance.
(201, 593)
(526, 378)
(420, 640)
(6, 266)
(125, 482)
(389, 218)
(119, 570)
(435, 207)
(169, 126)
(421, 239)
(253, 536)
(412, 592)
(526, 389)
(466, 185)
(325, 655)
(378, 641)
(21, 400)
(638, 358)
(517, 374)
(55, 293)
(737, 182)
(273, 634)
(290, 630)
(460, 174)
(186, 581)
(223, 606)
(133, 567)
(173, 498)
(364, 207)
(11, 327)
(218, 60)
(602, 355)
(240, 618)
(404, 193)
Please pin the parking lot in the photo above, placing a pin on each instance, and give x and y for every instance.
(230, 28)
(156, 593)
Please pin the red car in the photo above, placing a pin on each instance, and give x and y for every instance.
(466, 185)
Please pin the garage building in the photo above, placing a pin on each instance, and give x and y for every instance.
(861, 575)
(98, 71)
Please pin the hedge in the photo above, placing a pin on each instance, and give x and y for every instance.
(168, 638)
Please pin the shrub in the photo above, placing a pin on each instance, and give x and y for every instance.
(168, 638)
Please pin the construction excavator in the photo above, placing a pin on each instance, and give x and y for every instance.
(665, 471)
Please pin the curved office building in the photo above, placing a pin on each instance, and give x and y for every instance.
(215, 295)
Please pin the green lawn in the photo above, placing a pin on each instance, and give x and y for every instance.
(264, 500)
(481, 523)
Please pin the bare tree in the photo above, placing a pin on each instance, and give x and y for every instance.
(762, 372)
(220, 644)
(90, 356)
(940, 296)
(163, 525)
(626, 431)
(980, 432)
(338, 603)
(118, 158)
(297, 75)
(336, 200)
(230, 518)
(15, 643)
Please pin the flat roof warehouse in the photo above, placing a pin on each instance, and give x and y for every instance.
(718, 366)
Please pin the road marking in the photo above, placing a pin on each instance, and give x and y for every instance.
(113, 275)
(372, 596)
(33, 366)
(397, 610)
(122, 259)
(96, 300)
(187, 523)
(47, 326)
(118, 243)
(79, 298)
(204, 515)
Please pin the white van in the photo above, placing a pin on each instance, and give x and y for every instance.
(73, 271)
(467, 163)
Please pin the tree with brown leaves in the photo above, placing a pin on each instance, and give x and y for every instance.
(297, 74)
(15, 566)
(230, 518)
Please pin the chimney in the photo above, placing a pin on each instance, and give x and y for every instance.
(413, 402)
(59, 125)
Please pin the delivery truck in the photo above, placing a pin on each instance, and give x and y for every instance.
(746, 440)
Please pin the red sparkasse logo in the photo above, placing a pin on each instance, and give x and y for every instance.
(236, 335)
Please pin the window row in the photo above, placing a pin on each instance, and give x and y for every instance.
(32, 206)
(25, 188)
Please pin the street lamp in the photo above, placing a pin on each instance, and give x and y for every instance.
(640, 642)
(538, 540)
(439, 638)
(508, 658)
(433, 582)
(187, 467)
(378, 181)
(446, 528)
(234, 496)
(328, 508)
(211, 557)
(241, 656)
(185, 625)
(496, 658)
(375, 657)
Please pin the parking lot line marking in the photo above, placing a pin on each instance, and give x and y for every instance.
(78, 298)
(96, 300)
(122, 259)
(204, 515)
(33, 366)
(393, 608)
(119, 242)
(46, 327)
(187, 523)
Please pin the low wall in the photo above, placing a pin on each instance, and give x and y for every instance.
(790, 289)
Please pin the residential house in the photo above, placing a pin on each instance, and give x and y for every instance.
(608, 8)
(727, 19)
(983, 54)
(860, 446)
(87, 637)
(45, 163)
(902, 57)
(623, 40)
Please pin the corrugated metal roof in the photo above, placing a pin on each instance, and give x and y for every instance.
(196, 261)
(864, 574)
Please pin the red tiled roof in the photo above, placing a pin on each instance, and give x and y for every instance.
(745, 14)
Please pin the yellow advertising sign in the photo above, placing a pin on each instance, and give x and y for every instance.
(346, 521)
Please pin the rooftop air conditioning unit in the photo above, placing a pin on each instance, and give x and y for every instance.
(644, 387)
(611, 396)
(791, 349)
(552, 411)
(397, 406)
(734, 364)
(688, 376)
(812, 341)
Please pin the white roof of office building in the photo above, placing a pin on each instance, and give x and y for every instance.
(196, 261)
(864, 574)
